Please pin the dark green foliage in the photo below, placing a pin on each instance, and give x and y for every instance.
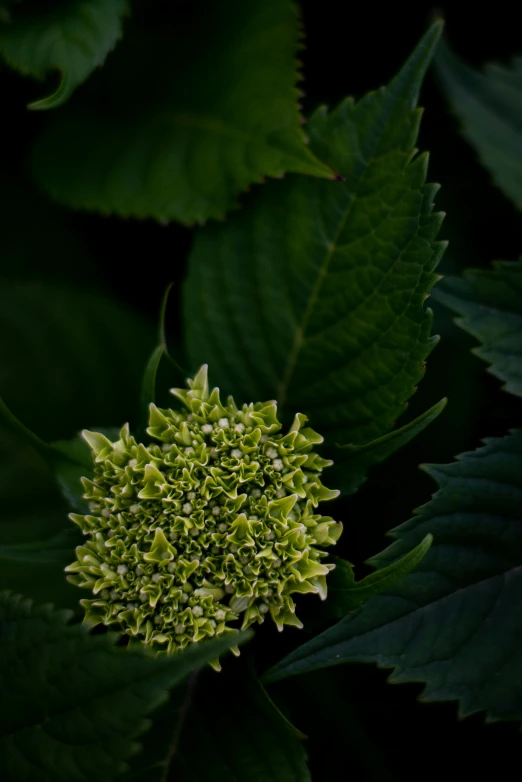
(77, 702)
(489, 304)
(489, 107)
(310, 290)
(314, 294)
(453, 622)
(181, 143)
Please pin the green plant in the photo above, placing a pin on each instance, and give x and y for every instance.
(195, 522)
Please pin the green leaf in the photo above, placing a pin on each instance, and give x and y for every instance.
(314, 294)
(352, 462)
(245, 737)
(216, 110)
(345, 594)
(489, 108)
(490, 307)
(69, 358)
(74, 704)
(72, 37)
(454, 622)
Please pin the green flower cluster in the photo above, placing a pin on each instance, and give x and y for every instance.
(213, 523)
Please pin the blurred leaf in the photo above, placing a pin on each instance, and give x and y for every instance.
(69, 358)
(73, 37)
(74, 704)
(454, 622)
(38, 568)
(184, 117)
(314, 294)
(490, 306)
(352, 462)
(345, 594)
(246, 738)
(489, 107)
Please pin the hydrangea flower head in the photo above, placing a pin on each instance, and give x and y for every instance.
(210, 527)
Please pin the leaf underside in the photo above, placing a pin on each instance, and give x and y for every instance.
(314, 294)
(187, 117)
(454, 622)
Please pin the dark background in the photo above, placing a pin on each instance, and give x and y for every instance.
(362, 728)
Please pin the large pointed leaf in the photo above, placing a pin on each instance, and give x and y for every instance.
(73, 37)
(190, 112)
(490, 307)
(489, 107)
(73, 704)
(454, 622)
(246, 738)
(314, 293)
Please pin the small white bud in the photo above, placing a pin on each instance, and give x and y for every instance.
(214, 453)
(270, 535)
(276, 562)
(144, 597)
(191, 495)
(133, 462)
(165, 447)
(263, 608)
(220, 614)
(277, 464)
(212, 623)
(272, 453)
(171, 567)
(256, 493)
(216, 510)
(280, 493)
(224, 422)
(122, 569)
(179, 629)
(222, 527)
(189, 451)
(105, 512)
(239, 428)
(194, 531)
(184, 597)
(197, 611)
(156, 577)
(207, 428)
(134, 508)
(236, 453)
(93, 507)
(187, 508)
(173, 536)
(264, 438)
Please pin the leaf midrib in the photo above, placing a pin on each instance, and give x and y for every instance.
(300, 333)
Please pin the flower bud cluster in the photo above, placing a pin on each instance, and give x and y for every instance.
(210, 527)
